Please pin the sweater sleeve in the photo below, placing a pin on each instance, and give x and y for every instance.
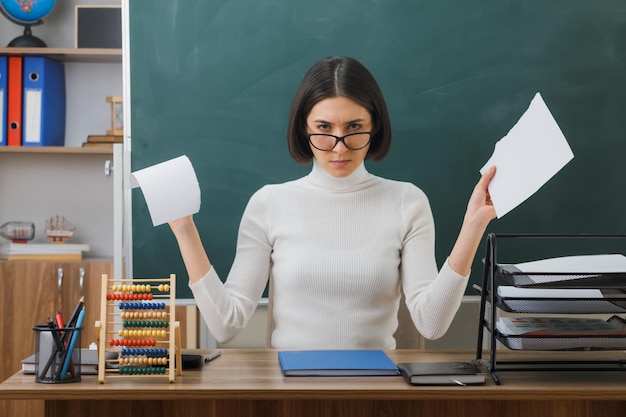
(227, 307)
(433, 297)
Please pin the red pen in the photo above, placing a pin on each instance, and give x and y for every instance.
(59, 318)
(60, 324)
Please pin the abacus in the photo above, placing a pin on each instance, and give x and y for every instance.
(137, 323)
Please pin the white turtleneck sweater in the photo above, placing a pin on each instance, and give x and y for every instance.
(338, 252)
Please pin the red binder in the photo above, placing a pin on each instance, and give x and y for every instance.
(14, 102)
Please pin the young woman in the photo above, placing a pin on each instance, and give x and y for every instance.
(340, 244)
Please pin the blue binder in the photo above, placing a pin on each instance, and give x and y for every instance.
(336, 363)
(43, 102)
(3, 100)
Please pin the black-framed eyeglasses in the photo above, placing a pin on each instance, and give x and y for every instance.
(327, 142)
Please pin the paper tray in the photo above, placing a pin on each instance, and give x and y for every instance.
(561, 306)
(613, 337)
(562, 343)
(561, 301)
(513, 276)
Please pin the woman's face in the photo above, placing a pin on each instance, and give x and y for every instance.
(339, 116)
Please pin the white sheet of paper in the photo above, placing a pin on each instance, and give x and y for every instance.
(580, 264)
(170, 188)
(529, 155)
(506, 291)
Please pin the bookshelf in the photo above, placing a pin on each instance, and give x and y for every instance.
(70, 180)
(24, 166)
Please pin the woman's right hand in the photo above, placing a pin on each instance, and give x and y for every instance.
(194, 256)
(182, 224)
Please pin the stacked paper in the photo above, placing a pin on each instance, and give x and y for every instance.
(42, 251)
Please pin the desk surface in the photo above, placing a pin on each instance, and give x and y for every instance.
(255, 375)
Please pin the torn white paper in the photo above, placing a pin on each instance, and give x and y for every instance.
(170, 188)
(531, 153)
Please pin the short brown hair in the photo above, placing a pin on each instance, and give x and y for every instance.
(338, 77)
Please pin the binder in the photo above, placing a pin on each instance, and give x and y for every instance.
(336, 363)
(3, 100)
(44, 102)
(14, 100)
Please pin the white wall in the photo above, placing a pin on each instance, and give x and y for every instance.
(462, 333)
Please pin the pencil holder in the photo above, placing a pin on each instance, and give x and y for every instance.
(57, 354)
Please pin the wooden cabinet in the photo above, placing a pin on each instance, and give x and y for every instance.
(31, 292)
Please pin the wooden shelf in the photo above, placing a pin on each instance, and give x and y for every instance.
(57, 149)
(70, 54)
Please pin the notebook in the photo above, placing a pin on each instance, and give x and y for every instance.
(441, 373)
(336, 363)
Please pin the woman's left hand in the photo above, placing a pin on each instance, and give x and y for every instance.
(480, 210)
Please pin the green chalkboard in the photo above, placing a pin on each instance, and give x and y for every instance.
(213, 80)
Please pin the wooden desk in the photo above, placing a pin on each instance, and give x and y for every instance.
(250, 383)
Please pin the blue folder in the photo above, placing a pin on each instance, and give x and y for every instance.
(336, 363)
(43, 102)
(3, 100)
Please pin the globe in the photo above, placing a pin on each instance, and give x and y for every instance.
(26, 13)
